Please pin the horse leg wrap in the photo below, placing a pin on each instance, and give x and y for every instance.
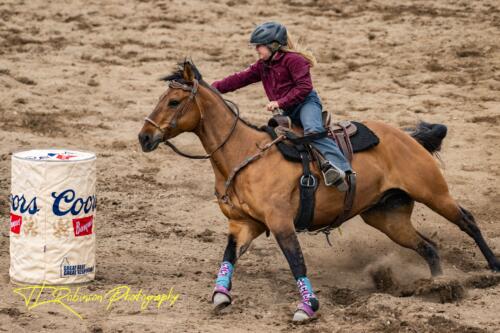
(223, 281)
(310, 303)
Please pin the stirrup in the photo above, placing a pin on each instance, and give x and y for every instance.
(333, 176)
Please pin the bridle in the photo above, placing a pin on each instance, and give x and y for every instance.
(180, 111)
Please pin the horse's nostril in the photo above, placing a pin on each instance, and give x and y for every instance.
(144, 138)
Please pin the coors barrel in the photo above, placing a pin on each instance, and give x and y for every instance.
(52, 216)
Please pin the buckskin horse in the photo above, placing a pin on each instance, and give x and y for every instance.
(264, 198)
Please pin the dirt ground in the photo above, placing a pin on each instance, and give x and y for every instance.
(84, 74)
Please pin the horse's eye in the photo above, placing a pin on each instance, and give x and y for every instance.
(173, 103)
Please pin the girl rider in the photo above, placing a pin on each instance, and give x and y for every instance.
(284, 71)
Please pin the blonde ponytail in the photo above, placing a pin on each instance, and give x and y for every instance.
(295, 46)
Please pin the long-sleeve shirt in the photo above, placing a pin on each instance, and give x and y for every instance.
(286, 79)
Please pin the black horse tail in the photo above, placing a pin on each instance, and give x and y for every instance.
(430, 136)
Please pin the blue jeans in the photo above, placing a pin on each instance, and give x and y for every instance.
(308, 115)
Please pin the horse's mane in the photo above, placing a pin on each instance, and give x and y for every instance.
(177, 75)
(178, 72)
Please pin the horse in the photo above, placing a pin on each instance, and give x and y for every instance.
(391, 177)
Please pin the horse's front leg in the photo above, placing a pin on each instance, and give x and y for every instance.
(284, 232)
(241, 234)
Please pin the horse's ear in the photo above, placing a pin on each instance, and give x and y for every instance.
(188, 73)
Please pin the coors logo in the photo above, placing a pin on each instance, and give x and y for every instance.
(83, 226)
(15, 223)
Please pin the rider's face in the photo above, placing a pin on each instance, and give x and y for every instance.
(263, 51)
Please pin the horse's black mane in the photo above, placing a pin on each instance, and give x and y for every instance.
(177, 75)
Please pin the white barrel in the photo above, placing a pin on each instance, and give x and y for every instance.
(52, 216)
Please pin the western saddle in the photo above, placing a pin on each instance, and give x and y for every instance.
(340, 131)
(281, 125)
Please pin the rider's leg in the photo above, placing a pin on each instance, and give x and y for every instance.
(311, 119)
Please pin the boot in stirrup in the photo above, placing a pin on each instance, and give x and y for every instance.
(333, 176)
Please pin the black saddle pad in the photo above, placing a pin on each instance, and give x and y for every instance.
(364, 139)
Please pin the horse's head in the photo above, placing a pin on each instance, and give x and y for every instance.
(177, 110)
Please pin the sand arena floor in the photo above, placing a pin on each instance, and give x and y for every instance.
(83, 74)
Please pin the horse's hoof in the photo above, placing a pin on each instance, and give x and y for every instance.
(300, 316)
(220, 301)
(221, 298)
(304, 312)
(495, 267)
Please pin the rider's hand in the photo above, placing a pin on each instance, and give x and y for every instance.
(272, 105)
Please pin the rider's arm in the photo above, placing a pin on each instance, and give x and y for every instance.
(239, 79)
(299, 69)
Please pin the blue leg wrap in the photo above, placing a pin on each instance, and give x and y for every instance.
(225, 274)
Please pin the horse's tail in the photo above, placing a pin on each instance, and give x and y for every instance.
(430, 136)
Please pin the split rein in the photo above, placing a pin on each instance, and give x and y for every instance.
(173, 123)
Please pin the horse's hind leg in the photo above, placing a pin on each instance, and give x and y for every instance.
(468, 224)
(447, 207)
(393, 217)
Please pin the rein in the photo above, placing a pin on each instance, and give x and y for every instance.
(173, 122)
(224, 197)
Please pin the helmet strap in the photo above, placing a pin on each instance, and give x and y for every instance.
(273, 47)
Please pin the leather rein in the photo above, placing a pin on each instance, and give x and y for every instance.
(180, 111)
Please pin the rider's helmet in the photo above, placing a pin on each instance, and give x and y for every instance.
(271, 34)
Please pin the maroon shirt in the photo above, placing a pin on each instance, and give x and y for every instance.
(286, 79)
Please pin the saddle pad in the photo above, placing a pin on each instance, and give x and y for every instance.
(364, 139)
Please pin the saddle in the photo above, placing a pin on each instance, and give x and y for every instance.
(340, 131)
(297, 148)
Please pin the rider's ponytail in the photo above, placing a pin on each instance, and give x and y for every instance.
(294, 46)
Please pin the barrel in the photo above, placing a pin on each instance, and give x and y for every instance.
(52, 216)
